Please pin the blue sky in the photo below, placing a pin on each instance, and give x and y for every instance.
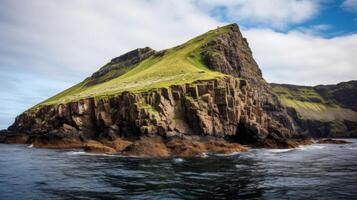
(49, 45)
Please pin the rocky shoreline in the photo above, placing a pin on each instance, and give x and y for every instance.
(157, 146)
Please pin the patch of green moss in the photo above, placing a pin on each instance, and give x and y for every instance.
(147, 107)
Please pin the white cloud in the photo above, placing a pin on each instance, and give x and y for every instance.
(78, 36)
(350, 5)
(304, 59)
(270, 13)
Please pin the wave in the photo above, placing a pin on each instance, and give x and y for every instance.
(30, 146)
(227, 154)
(178, 160)
(91, 154)
(241, 166)
(310, 147)
(279, 150)
(352, 148)
(205, 155)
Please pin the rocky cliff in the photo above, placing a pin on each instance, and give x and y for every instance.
(323, 110)
(209, 86)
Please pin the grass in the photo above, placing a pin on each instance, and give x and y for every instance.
(317, 107)
(147, 107)
(179, 65)
(301, 93)
(301, 98)
(310, 105)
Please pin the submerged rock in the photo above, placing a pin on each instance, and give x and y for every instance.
(97, 147)
(189, 148)
(332, 141)
(147, 147)
(284, 143)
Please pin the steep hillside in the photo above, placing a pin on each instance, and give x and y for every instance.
(208, 86)
(144, 69)
(324, 110)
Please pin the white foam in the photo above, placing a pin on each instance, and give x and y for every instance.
(30, 146)
(240, 166)
(76, 153)
(90, 154)
(310, 147)
(279, 150)
(228, 154)
(178, 160)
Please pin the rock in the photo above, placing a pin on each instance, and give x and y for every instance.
(332, 141)
(220, 146)
(147, 147)
(118, 64)
(56, 143)
(69, 129)
(186, 148)
(97, 147)
(197, 147)
(12, 138)
(283, 143)
(118, 144)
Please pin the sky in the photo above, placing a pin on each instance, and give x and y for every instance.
(47, 46)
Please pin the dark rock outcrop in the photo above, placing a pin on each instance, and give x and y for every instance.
(230, 54)
(332, 141)
(118, 66)
(222, 108)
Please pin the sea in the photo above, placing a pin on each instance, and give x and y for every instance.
(319, 171)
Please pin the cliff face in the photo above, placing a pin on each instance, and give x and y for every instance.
(324, 110)
(229, 53)
(236, 103)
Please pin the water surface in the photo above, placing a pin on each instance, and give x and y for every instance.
(309, 172)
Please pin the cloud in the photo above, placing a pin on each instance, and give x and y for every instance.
(78, 36)
(304, 59)
(268, 13)
(20, 91)
(350, 5)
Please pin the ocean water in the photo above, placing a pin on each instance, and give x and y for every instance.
(307, 172)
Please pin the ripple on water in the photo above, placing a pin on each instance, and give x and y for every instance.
(304, 172)
(178, 160)
(311, 147)
(279, 150)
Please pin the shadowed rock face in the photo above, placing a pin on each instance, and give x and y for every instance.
(241, 106)
(230, 54)
(117, 66)
(223, 107)
(125, 60)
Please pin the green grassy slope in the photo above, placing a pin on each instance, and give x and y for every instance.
(311, 105)
(179, 65)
